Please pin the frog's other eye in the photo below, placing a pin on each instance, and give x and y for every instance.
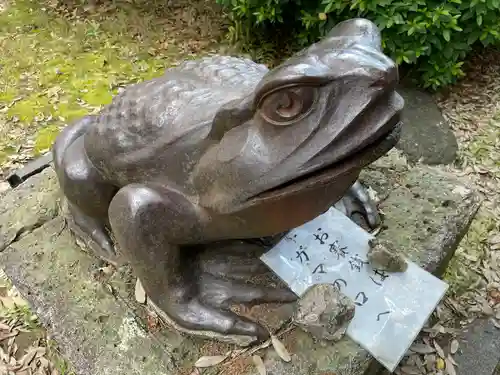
(289, 105)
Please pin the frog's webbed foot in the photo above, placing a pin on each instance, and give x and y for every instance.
(232, 273)
(205, 308)
(195, 316)
(358, 205)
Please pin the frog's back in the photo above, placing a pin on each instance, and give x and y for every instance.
(147, 119)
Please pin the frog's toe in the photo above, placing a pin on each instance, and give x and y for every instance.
(360, 207)
(238, 261)
(197, 316)
(98, 242)
(372, 215)
(248, 328)
(103, 244)
(222, 293)
(93, 234)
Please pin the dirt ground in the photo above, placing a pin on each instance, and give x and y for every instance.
(61, 61)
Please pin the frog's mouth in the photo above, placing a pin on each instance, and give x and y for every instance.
(332, 172)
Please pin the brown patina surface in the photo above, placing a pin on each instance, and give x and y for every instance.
(221, 150)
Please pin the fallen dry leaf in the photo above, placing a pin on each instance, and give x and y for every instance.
(209, 361)
(11, 302)
(422, 348)
(450, 369)
(280, 349)
(28, 357)
(439, 350)
(454, 346)
(140, 293)
(8, 335)
(44, 363)
(259, 363)
(450, 358)
(411, 370)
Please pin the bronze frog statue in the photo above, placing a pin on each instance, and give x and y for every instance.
(224, 149)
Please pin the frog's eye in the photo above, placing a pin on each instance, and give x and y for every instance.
(289, 105)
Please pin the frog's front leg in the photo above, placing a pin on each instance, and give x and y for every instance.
(152, 226)
(360, 207)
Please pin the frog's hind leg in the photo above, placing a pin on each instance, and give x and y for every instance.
(149, 225)
(88, 196)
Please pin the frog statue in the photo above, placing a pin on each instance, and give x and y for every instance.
(223, 151)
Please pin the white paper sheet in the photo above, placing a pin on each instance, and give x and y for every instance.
(391, 308)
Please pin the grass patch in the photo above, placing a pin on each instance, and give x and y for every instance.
(464, 270)
(55, 69)
(481, 154)
(485, 148)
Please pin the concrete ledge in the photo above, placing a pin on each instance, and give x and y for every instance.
(103, 331)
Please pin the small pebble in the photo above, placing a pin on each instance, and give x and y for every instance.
(384, 256)
(324, 312)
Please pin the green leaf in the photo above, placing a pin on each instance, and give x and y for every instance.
(473, 37)
(448, 52)
(446, 35)
(411, 29)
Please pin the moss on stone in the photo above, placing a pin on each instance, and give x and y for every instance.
(56, 69)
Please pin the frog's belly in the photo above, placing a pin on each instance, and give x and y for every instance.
(277, 216)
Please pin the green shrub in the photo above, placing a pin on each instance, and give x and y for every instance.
(430, 37)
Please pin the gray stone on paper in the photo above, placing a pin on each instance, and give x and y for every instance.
(102, 330)
(384, 256)
(324, 312)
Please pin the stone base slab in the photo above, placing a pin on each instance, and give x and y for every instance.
(90, 309)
